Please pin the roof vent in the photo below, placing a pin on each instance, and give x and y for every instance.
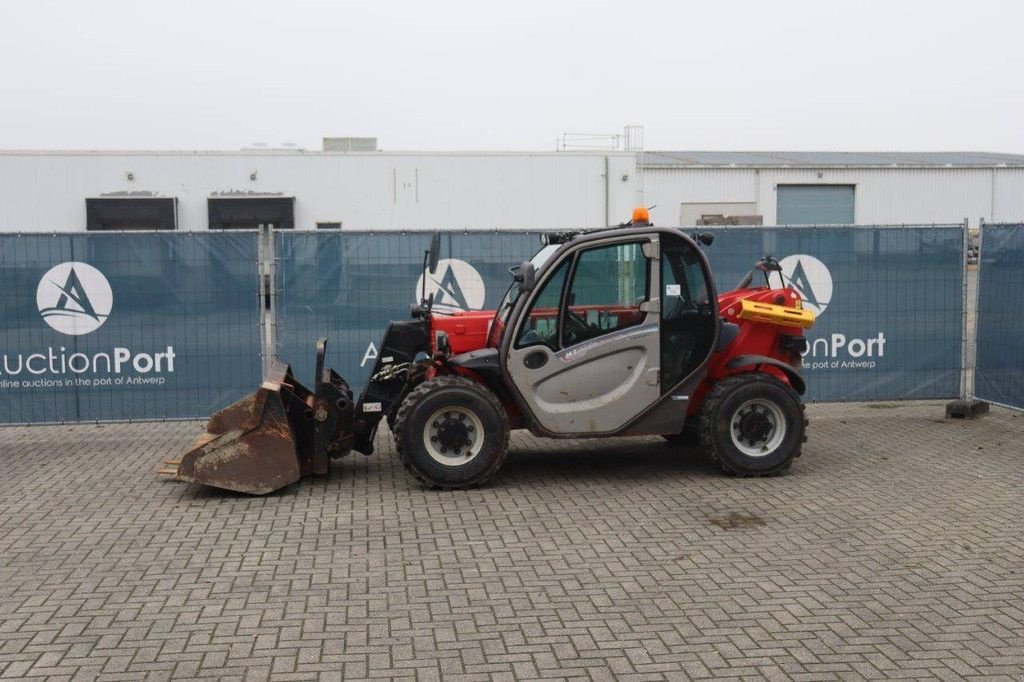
(350, 144)
(264, 146)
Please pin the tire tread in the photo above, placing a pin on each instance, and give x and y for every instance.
(427, 388)
(708, 413)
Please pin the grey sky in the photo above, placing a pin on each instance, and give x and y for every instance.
(823, 74)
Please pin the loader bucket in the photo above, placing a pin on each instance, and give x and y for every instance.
(273, 437)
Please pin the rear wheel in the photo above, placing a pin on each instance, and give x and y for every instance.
(752, 424)
(451, 432)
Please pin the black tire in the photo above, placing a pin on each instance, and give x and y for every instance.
(464, 396)
(723, 411)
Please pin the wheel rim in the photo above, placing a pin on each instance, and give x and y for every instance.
(757, 427)
(453, 436)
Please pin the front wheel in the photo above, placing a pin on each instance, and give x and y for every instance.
(451, 432)
(752, 424)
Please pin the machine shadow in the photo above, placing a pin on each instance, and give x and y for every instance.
(632, 461)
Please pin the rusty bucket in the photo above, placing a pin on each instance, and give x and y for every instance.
(274, 437)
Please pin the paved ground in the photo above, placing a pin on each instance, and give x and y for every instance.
(895, 547)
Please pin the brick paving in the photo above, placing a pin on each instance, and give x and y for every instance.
(894, 548)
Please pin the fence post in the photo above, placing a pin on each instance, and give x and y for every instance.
(975, 303)
(267, 266)
(964, 312)
(968, 407)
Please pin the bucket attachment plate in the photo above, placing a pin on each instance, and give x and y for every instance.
(273, 437)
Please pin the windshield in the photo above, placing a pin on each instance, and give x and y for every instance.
(542, 256)
(508, 301)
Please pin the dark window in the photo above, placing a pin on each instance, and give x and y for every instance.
(248, 213)
(608, 285)
(541, 323)
(328, 226)
(687, 314)
(133, 213)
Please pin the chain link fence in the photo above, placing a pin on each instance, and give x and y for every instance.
(347, 286)
(889, 303)
(113, 327)
(200, 314)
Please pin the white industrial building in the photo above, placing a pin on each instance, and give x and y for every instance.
(45, 191)
(72, 191)
(776, 188)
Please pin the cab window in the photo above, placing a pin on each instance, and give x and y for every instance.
(687, 315)
(540, 327)
(609, 284)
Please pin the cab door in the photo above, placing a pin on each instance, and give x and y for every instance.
(584, 352)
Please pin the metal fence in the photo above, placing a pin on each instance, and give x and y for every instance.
(188, 309)
(348, 285)
(999, 372)
(101, 326)
(889, 300)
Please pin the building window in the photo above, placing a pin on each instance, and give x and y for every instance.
(719, 213)
(131, 213)
(248, 213)
(329, 226)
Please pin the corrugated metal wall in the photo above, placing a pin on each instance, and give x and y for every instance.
(898, 195)
(667, 190)
(373, 191)
(1008, 195)
(388, 191)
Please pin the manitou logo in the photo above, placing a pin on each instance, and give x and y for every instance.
(811, 279)
(456, 286)
(74, 298)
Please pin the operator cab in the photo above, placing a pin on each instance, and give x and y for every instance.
(599, 328)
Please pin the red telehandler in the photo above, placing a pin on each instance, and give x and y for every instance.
(610, 332)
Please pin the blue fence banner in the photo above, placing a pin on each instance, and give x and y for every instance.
(889, 299)
(125, 326)
(144, 325)
(999, 372)
(347, 286)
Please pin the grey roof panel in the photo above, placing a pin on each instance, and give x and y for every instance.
(713, 159)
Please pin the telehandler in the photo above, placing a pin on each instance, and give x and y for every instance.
(609, 332)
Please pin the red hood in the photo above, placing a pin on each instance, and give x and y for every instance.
(466, 329)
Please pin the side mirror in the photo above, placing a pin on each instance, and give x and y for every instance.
(526, 276)
(435, 250)
(706, 238)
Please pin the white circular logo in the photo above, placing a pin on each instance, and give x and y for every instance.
(74, 298)
(810, 278)
(456, 286)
